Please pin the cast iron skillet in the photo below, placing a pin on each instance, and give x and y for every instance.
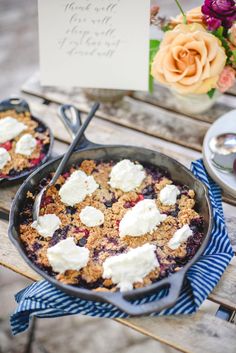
(90, 150)
(21, 106)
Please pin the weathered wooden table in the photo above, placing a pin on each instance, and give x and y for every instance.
(150, 121)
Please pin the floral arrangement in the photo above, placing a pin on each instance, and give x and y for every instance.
(197, 54)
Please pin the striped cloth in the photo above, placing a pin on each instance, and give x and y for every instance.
(43, 300)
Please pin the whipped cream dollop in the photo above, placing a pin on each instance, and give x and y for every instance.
(143, 218)
(168, 195)
(126, 175)
(46, 225)
(180, 236)
(10, 128)
(127, 269)
(91, 216)
(77, 187)
(26, 144)
(66, 255)
(4, 157)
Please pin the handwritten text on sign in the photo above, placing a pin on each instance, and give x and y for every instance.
(94, 43)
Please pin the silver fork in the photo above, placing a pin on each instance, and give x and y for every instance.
(66, 157)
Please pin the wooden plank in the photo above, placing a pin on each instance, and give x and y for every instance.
(10, 258)
(99, 131)
(229, 199)
(225, 291)
(6, 197)
(231, 226)
(106, 132)
(162, 97)
(198, 333)
(131, 113)
(185, 333)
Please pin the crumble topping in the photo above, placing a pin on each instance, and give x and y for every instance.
(103, 241)
(13, 126)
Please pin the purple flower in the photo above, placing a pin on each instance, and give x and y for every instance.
(212, 23)
(219, 13)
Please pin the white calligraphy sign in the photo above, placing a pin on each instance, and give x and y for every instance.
(94, 43)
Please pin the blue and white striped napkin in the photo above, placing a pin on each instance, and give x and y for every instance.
(42, 299)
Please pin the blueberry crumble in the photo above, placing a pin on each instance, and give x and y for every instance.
(111, 226)
(24, 142)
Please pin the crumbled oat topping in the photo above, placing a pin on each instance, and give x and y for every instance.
(104, 241)
(19, 162)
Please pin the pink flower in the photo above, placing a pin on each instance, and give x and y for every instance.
(153, 14)
(154, 10)
(226, 79)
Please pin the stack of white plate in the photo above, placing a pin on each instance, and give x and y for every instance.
(227, 181)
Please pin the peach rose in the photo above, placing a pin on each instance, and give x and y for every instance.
(189, 60)
(226, 79)
(193, 16)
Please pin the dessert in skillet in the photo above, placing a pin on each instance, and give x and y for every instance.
(24, 142)
(111, 226)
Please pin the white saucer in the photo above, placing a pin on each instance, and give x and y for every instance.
(227, 123)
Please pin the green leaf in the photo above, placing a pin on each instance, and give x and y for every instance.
(234, 55)
(211, 92)
(150, 84)
(219, 32)
(153, 49)
(166, 28)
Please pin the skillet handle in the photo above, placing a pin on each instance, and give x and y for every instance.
(18, 104)
(71, 118)
(122, 301)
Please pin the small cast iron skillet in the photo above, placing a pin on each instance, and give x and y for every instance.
(89, 150)
(21, 106)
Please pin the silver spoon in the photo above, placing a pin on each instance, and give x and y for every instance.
(223, 148)
(60, 168)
